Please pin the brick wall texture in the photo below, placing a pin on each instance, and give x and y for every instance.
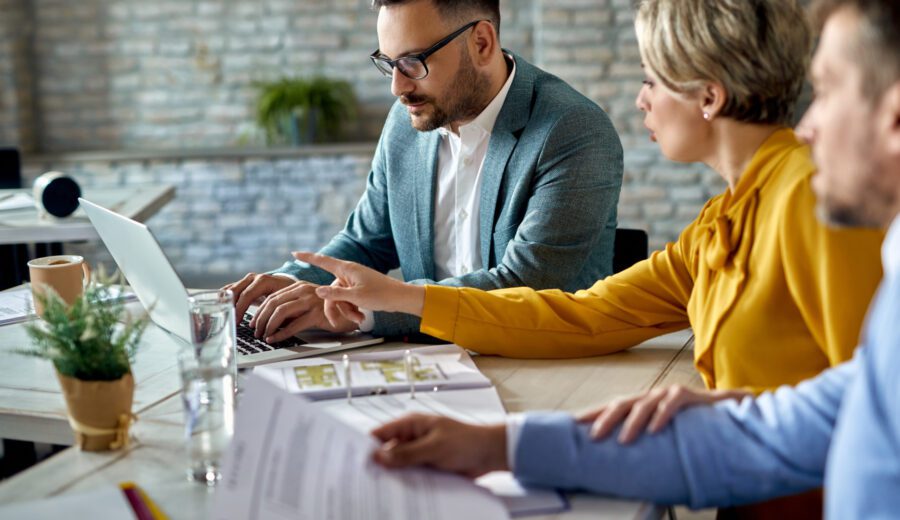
(175, 74)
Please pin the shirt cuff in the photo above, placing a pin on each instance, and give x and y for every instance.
(440, 311)
(286, 275)
(514, 424)
(368, 322)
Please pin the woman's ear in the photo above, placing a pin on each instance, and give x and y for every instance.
(712, 99)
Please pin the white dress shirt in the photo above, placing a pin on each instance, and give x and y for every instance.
(890, 249)
(457, 199)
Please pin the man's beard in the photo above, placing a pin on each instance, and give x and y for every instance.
(466, 99)
(874, 209)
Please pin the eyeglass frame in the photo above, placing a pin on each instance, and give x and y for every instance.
(377, 57)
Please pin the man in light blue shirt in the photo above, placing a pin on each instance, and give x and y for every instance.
(841, 428)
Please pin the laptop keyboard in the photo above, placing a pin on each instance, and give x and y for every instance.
(247, 344)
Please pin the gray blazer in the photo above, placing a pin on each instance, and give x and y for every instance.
(551, 182)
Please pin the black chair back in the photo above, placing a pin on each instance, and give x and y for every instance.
(13, 257)
(631, 246)
(10, 168)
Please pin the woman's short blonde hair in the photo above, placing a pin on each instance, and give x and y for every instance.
(758, 50)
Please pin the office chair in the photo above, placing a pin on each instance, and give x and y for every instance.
(631, 246)
(13, 257)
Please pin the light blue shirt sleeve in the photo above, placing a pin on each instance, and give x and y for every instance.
(863, 477)
(728, 454)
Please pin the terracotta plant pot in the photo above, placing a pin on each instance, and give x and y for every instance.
(99, 411)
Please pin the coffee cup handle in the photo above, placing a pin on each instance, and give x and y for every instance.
(87, 273)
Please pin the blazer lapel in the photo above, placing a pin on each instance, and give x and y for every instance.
(510, 121)
(424, 174)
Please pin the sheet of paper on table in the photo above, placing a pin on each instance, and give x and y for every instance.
(16, 305)
(476, 406)
(289, 460)
(16, 201)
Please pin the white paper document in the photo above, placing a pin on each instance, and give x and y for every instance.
(16, 201)
(522, 501)
(290, 460)
(475, 406)
(433, 368)
(17, 305)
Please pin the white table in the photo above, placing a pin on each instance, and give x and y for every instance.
(32, 407)
(155, 459)
(135, 202)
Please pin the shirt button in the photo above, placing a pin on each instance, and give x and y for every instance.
(463, 215)
(467, 161)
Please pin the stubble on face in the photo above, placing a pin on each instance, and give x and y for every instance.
(849, 186)
(464, 98)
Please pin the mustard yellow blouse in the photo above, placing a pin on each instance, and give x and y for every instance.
(773, 296)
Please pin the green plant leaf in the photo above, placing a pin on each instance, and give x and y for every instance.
(94, 339)
(330, 102)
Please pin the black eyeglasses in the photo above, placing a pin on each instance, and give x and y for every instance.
(413, 66)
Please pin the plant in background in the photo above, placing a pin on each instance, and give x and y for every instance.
(298, 110)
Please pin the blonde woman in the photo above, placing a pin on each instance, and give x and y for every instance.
(773, 296)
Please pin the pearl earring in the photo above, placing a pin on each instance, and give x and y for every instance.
(706, 115)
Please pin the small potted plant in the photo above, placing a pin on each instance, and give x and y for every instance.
(92, 344)
(301, 111)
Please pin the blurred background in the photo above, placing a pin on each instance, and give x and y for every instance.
(223, 99)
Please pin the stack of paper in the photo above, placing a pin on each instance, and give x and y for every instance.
(447, 383)
(289, 460)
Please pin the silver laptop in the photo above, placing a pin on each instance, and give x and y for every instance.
(160, 290)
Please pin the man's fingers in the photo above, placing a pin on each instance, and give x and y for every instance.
(332, 265)
(417, 452)
(299, 299)
(402, 429)
(250, 294)
(293, 327)
(237, 288)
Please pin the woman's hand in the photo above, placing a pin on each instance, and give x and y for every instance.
(651, 410)
(357, 286)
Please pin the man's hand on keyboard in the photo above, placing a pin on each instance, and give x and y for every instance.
(253, 287)
(293, 309)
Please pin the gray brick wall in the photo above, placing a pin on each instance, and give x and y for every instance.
(235, 214)
(176, 74)
(173, 73)
(16, 88)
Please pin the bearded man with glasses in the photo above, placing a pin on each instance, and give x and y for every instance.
(489, 173)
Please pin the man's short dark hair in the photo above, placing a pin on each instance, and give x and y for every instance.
(460, 11)
(878, 41)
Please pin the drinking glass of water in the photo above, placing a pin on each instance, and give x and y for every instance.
(208, 371)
